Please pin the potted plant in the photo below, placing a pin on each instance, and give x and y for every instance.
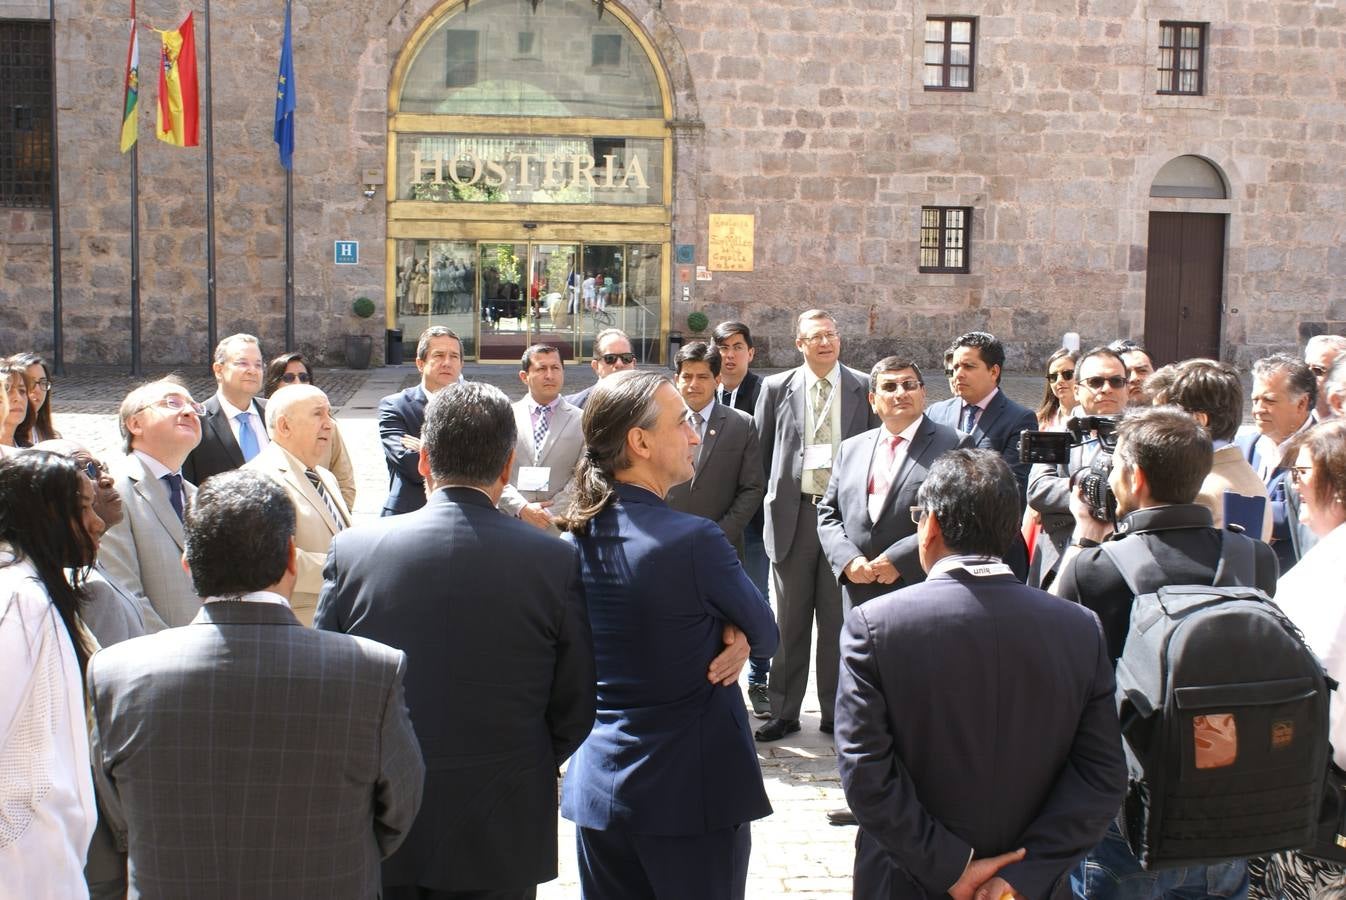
(697, 322)
(360, 347)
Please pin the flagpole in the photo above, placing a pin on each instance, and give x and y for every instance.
(57, 330)
(135, 260)
(211, 324)
(289, 259)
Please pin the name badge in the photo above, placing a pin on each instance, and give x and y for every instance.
(534, 478)
(818, 456)
(985, 570)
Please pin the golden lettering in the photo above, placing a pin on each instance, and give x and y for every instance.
(634, 170)
(495, 174)
(583, 167)
(525, 170)
(609, 160)
(550, 179)
(476, 169)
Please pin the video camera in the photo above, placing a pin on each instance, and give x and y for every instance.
(1053, 448)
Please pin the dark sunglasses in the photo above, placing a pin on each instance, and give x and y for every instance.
(1116, 382)
(1064, 374)
(292, 377)
(94, 469)
(610, 359)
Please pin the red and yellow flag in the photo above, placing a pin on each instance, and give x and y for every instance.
(179, 104)
(131, 90)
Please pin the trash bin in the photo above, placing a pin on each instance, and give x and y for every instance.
(674, 345)
(393, 352)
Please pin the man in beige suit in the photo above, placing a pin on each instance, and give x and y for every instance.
(299, 420)
(549, 442)
(161, 424)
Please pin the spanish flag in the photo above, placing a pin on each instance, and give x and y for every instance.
(179, 105)
(131, 93)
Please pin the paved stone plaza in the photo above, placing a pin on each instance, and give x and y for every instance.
(795, 851)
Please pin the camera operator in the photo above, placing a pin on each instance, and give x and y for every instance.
(1100, 390)
(1161, 458)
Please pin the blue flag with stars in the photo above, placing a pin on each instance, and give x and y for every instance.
(284, 130)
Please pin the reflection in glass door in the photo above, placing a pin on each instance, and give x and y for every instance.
(503, 307)
(555, 289)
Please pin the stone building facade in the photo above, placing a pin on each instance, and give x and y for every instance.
(1090, 199)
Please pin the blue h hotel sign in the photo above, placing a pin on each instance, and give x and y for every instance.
(346, 253)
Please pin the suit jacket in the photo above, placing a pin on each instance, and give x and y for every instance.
(501, 679)
(315, 526)
(727, 486)
(844, 527)
(245, 755)
(112, 613)
(997, 429)
(780, 416)
(578, 398)
(1229, 471)
(748, 389)
(143, 553)
(926, 780)
(218, 451)
(670, 753)
(401, 414)
(1283, 521)
(561, 449)
(1187, 548)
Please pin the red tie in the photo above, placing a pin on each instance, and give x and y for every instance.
(882, 477)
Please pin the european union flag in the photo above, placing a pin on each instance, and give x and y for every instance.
(284, 130)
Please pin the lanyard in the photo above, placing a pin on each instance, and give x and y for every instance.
(980, 570)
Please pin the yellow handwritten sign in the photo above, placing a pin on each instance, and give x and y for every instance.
(730, 243)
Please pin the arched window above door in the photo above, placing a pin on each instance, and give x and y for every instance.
(1192, 177)
(505, 58)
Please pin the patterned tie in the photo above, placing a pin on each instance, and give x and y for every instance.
(698, 423)
(540, 431)
(247, 438)
(881, 478)
(815, 481)
(968, 420)
(174, 482)
(316, 481)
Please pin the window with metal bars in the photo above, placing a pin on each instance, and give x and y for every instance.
(25, 113)
(1182, 58)
(950, 52)
(944, 238)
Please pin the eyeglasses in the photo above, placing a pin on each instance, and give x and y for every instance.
(909, 385)
(94, 469)
(1064, 375)
(247, 364)
(292, 377)
(610, 359)
(177, 404)
(1318, 371)
(1299, 474)
(44, 383)
(917, 514)
(1116, 382)
(823, 337)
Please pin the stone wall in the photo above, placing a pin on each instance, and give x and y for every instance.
(808, 114)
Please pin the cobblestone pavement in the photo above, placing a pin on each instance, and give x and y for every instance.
(795, 851)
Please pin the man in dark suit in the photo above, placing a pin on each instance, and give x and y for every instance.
(244, 754)
(1283, 399)
(439, 359)
(979, 408)
(802, 416)
(612, 353)
(1004, 783)
(491, 613)
(727, 484)
(1162, 458)
(233, 429)
(864, 523)
(739, 387)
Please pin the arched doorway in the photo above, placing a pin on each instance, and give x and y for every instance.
(1184, 274)
(532, 179)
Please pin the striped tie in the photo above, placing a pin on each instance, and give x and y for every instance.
(326, 498)
(540, 431)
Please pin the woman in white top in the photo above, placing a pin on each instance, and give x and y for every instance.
(47, 815)
(1313, 595)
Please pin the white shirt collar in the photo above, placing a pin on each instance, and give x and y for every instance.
(833, 377)
(704, 412)
(985, 401)
(254, 597)
(907, 433)
(153, 466)
(956, 561)
(230, 409)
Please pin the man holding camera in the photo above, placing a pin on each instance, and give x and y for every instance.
(1100, 390)
(1161, 458)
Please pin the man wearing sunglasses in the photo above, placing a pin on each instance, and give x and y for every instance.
(1319, 354)
(161, 425)
(612, 353)
(1101, 389)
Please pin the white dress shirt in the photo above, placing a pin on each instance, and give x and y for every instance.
(233, 412)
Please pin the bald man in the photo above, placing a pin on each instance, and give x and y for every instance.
(299, 420)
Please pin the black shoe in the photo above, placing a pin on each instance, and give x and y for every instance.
(777, 729)
(842, 816)
(761, 704)
(826, 727)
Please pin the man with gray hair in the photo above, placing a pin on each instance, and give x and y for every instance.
(300, 421)
(243, 755)
(491, 613)
(1319, 354)
(233, 429)
(612, 353)
(1334, 387)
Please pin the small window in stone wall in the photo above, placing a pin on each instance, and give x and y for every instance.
(25, 114)
(1182, 58)
(944, 238)
(607, 50)
(950, 52)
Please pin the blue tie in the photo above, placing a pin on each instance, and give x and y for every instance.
(247, 438)
(174, 481)
(969, 419)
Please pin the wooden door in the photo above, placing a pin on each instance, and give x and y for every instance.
(1184, 286)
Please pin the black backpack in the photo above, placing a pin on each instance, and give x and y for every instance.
(1224, 714)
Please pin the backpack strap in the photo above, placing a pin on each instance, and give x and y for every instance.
(1135, 563)
(1235, 568)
